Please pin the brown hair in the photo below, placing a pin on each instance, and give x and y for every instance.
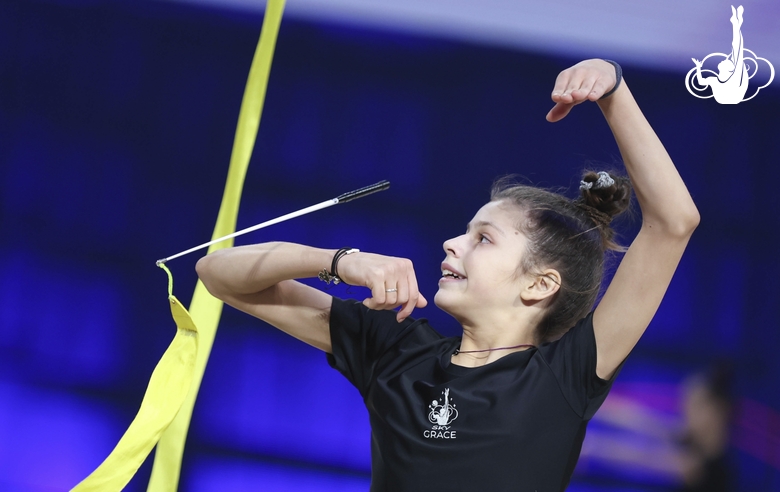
(570, 236)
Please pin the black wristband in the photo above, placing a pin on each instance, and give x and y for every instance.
(333, 275)
(618, 78)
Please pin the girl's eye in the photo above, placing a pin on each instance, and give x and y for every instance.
(483, 239)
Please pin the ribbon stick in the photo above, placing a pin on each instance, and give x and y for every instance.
(382, 185)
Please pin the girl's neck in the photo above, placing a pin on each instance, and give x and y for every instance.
(480, 346)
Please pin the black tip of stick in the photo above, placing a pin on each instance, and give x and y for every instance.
(381, 186)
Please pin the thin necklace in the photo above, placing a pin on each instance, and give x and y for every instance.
(459, 351)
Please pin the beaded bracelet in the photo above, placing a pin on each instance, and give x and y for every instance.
(332, 275)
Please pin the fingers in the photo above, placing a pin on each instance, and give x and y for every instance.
(403, 298)
(391, 293)
(558, 112)
(378, 299)
(581, 87)
(412, 298)
(393, 283)
(585, 81)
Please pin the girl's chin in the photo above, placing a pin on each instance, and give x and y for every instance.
(440, 300)
(444, 301)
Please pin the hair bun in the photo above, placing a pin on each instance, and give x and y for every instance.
(608, 193)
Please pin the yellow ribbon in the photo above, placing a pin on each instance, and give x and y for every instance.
(167, 387)
(166, 410)
(205, 309)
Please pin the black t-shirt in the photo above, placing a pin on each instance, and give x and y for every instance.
(514, 424)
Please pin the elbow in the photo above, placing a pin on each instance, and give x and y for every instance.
(688, 220)
(695, 219)
(682, 224)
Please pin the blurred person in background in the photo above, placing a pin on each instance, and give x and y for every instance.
(707, 410)
(686, 448)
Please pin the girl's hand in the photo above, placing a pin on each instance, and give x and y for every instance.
(380, 274)
(586, 81)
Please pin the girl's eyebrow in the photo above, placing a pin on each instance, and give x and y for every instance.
(484, 223)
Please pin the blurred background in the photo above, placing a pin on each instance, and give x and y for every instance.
(116, 124)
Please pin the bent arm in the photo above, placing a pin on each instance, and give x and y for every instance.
(669, 217)
(258, 280)
(701, 80)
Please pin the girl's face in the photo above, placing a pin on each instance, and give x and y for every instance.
(479, 273)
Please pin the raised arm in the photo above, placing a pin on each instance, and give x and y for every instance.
(669, 215)
(259, 280)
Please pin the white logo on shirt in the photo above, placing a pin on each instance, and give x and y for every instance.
(441, 415)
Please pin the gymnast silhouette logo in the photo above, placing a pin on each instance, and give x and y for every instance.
(730, 84)
(441, 414)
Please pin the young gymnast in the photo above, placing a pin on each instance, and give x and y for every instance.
(505, 406)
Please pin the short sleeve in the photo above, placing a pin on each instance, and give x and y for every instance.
(573, 361)
(359, 337)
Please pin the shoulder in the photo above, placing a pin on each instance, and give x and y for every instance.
(579, 335)
(573, 359)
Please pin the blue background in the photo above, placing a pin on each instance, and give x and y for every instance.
(116, 124)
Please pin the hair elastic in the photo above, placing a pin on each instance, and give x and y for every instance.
(618, 78)
(604, 181)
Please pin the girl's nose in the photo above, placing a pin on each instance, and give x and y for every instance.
(451, 246)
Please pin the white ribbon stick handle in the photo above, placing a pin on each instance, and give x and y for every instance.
(346, 197)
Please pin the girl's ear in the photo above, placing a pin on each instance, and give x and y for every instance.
(541, 286)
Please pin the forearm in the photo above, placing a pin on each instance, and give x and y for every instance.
(699, 78)
(254, 268)
(665, 202)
